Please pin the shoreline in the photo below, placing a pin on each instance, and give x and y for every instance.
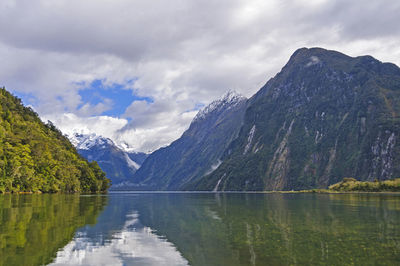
(319, 191)
(310, 191)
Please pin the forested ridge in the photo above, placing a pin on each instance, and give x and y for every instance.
(37, 157)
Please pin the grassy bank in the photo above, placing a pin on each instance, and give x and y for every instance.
(351, 184)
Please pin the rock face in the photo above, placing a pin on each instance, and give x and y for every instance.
(198, 151)
(325, 116)
(118, 164)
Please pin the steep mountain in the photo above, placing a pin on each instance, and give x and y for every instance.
(323, 117)
(198, 151)
(36, 157)
(118, 164)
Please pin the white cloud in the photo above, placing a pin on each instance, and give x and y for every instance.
(70, 123)
(155, 124)
(183, 53)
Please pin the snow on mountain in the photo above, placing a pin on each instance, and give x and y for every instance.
(119, 163)
(130, 162)
(88, 141)
(125, 147)
(228, 100)
(198, 151)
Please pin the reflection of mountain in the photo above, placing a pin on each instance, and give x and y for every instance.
(241, 229)
(119, 238)
(34, 227)
(275, 229)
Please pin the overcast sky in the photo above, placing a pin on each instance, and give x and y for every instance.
(138, 70)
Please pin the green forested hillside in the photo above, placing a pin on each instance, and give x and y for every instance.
(36, 157)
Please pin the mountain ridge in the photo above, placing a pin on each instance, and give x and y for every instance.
(323, 117)
(197, 151)
(119, 164)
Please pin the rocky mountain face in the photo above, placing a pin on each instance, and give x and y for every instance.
(118, 164)
(198, 151)
(324, 117)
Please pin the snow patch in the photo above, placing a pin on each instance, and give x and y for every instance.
(313, 61)
(125, 147)
(131, 163)
(87, 141)
(227, 101)
(214, 167)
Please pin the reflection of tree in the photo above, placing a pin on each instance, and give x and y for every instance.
(276, 229)
(34, 227)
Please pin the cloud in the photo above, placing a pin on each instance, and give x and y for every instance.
(70, 123)
(155, 124)
(180, 53)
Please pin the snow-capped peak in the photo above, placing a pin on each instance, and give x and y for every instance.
(229, 99)
(87, 141)
(125, 147)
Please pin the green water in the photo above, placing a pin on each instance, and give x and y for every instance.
(200, 229)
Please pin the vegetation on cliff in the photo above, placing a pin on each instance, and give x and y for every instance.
(351, 184)
(36, 157)
(325, 116)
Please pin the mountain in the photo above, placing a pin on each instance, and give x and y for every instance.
(36, 157)
(198, 151)
(118, 164)
(323, 117)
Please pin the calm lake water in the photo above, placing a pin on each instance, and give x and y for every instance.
(200, 229)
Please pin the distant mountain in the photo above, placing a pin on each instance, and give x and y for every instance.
(324, 117)
(198, 151)
(36, 157)
(118, 164)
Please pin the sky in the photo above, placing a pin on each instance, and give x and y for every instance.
(137, 71)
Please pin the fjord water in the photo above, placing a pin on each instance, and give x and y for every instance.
(200, 229)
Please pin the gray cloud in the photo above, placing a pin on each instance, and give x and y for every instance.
(183, 53)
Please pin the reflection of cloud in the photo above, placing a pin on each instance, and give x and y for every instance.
(134, 245)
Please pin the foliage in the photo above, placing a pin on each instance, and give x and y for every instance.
(351, 184)
(36, 157)
(34, 227)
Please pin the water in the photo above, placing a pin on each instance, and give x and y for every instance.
(200, 229)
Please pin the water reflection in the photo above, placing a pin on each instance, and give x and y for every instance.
(202, 229)
(135, 244)
(34, 227)
(276, 229)
(119, 238)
